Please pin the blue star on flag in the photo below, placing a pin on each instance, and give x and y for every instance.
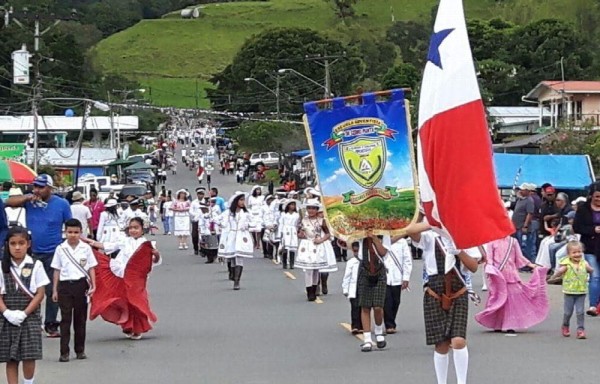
(434, 46)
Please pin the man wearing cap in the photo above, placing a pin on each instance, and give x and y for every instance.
(522, 217)
(82, 213)
(195, 213)
(46, 214)
(549, 210)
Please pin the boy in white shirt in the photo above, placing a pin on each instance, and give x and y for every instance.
(349, 288)
(399, 268)
(74, 281)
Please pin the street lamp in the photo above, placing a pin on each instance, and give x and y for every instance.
(327, 91)
(275, 92)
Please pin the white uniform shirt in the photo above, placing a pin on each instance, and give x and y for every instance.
(350, 279)
(126, 247)
(427, 244)
(400, 251)
(83, 214)
(82, 254)
(38, 275)
(195, 211)
(16, 215)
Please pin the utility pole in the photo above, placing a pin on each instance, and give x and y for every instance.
(562, 93)
(326, 63)
(327, 80)
(37, 87)
(278, 94)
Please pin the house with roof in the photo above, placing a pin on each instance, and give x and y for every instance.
(507, 121)
(574, 102)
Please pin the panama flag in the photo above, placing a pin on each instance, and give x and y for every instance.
(456, 172)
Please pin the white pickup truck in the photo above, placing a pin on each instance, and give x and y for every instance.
(102, 184)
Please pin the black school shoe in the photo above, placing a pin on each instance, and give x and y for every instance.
(63, 358)
(81, 356)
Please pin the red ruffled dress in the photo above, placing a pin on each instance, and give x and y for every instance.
(121, 297)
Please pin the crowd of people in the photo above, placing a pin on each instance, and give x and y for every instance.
(70, 250)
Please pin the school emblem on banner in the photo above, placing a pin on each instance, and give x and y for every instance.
(363, 156)
(364, 160)
(26, 272)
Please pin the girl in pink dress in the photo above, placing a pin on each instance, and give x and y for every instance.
(512, 304)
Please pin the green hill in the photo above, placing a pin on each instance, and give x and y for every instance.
(174, 57)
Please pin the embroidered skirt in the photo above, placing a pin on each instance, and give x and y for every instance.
(236, 244)
(371, 295)
(441, 325)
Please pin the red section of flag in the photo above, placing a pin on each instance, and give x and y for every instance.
(457, 156)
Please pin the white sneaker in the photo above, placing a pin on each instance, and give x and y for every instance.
(180, 246)
(185, 246)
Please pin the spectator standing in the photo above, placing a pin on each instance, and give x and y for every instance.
(587, 224)
(46, 214)
(16, 216)
(82, 213)
(521, 218)
(549, 210)
(96, 207)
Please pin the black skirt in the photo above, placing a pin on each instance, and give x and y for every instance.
(441, 325)
(371, 295)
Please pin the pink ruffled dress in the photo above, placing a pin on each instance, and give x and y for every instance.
(512, 304)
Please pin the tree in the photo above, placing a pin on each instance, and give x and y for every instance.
(401, 76)
(344, 9)
(264, 54)
(260, 136)
(538, 47)
(379, 55)
(413, 40)
(498, 81)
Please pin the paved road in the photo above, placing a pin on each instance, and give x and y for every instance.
(268, 333)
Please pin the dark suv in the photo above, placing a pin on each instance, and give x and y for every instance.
(137, 190)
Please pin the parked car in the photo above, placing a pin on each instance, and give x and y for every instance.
(266, 158)
(137, 190)
(137, 158)
(141, 177)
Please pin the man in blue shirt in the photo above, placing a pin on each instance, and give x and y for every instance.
(214, 193)
(45, 215)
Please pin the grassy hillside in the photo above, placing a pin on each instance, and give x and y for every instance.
(169, 55)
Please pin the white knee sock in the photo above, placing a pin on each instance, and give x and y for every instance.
(461, 364)
(379, 329)
(367, 337)
(441, 367)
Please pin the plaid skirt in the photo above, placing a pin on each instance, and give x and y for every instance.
(21, 343)
(371, 295)
(441, 325)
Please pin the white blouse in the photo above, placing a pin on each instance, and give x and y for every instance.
(38, 275)
(126, 247)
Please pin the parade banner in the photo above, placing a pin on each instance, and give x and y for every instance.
(363, 154)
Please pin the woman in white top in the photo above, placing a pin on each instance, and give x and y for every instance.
(181, 218)
(236, 241)
(110, 227)
(15, 215)
(290, 219)
(255, 208)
